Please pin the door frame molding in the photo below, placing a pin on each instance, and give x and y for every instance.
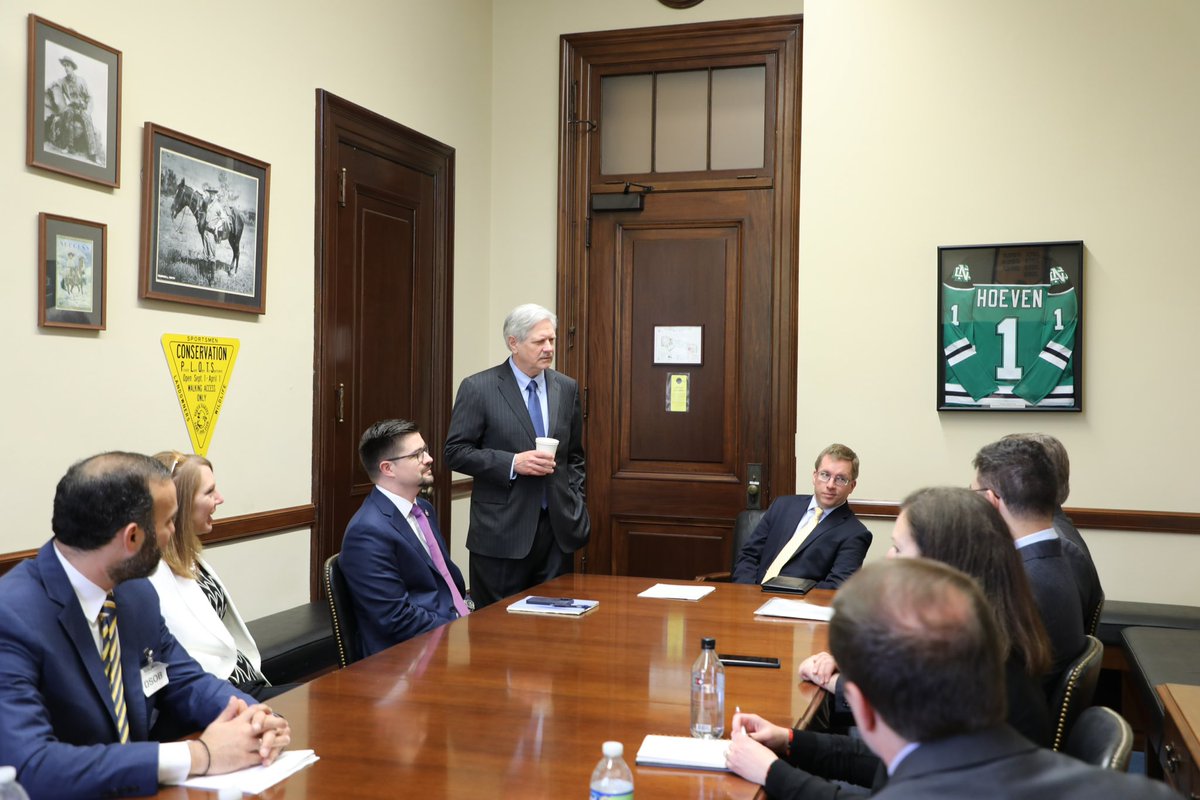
(579, 55)
(339, 120)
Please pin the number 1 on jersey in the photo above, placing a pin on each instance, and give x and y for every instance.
(1008, 369)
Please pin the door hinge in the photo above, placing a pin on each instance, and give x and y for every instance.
(585, 402)
(342, 187)
(587, 232)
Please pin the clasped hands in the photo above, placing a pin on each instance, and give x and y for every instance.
(241, 736)
(756, 743)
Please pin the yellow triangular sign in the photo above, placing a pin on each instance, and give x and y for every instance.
(200, 367)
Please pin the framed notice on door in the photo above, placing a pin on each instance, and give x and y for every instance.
(1010, 327)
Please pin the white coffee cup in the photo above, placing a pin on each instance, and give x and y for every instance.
(546, 445)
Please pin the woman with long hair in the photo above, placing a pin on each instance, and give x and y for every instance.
(195, 604)
(957, 527)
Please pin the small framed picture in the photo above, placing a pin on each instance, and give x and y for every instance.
(1010, 327)
(204, 223)
(72, 254)
(74, 117)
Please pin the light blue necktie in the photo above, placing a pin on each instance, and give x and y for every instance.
(535, 409)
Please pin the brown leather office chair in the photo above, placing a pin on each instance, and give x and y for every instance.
(341, 613)
(1101, 737)
(743, 525)
(1075, 689)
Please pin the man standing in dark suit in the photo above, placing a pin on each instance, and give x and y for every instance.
(528, 513)
(397, 566)
(921, 658)
(812, 536)
(1017, 477)
(87, 667)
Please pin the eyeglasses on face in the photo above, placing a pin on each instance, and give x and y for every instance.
(841, 481)
(417, 454)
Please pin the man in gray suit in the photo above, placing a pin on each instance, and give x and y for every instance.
(923, 665)
(528, 513)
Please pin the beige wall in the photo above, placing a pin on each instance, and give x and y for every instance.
(926, 122)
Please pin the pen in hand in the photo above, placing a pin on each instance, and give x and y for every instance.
(742, 727)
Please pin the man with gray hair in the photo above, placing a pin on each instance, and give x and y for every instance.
(528, 513)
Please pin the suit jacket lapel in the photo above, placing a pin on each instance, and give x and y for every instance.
(512, 395)
(827, 523)
(553, 397)
(401, 526)
(131, 674)
(76, 628)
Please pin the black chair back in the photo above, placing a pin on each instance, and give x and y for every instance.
(1075, 689)
(341, 613)
(1093, 616)
(1102, 738)
(744, 525)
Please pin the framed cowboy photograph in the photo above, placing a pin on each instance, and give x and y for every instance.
(73, 124)
(72, 254)
(204, 223)
(1010, 327)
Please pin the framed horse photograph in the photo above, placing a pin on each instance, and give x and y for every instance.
(204, 223)
(72, 254)
(73, 124)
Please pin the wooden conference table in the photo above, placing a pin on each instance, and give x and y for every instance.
(516, 705)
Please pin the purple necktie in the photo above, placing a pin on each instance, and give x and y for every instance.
(439, 561)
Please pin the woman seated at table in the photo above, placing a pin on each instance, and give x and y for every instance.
(197, 609)
(957, 527)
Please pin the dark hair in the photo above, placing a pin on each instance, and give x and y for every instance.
(1058, 457)
(101, 495)
(919, 640)
(1021, 474)
(378, 440)
(960, 528)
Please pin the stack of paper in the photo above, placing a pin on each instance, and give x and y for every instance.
(682, 751)
(256, 780)
(577, 608)
(675, 591)
(795, 609)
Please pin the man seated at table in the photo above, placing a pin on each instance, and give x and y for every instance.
(397, 566)
(87, 666)
(1017, 477)
(812, 536)
(922, 660)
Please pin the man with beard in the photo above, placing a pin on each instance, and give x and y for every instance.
(87, 668)
(396, 564)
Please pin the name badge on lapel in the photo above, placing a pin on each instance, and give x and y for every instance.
(154, 674)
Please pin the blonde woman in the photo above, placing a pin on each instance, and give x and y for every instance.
(198, 610)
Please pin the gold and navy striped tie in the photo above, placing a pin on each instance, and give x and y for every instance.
(111, 653)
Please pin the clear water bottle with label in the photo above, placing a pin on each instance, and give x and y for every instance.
(708, 693)
(612, 778)
(9, 788)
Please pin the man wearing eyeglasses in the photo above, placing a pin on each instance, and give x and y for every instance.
(812, 536)
(395, 561)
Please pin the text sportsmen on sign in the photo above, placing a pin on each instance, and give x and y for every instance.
(200, 367)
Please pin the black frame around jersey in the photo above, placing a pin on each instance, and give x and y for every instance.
(1010, 327)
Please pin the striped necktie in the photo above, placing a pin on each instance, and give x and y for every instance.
(111, 654)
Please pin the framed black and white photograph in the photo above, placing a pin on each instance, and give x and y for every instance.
(204, 223)
(1010, 327)
(71, 272)
(74, 116)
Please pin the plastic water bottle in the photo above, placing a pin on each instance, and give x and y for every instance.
(612, 779)
(708, 693)
(9, 788)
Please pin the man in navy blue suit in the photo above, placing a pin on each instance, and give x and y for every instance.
(812, 536)
(396, 563)
(87, 666)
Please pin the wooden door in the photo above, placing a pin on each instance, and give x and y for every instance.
(715, 248)
(665, 478)
(383, 315)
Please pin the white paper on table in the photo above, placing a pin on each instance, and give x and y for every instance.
(256, 780)
(795, 609)
(675, 591)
